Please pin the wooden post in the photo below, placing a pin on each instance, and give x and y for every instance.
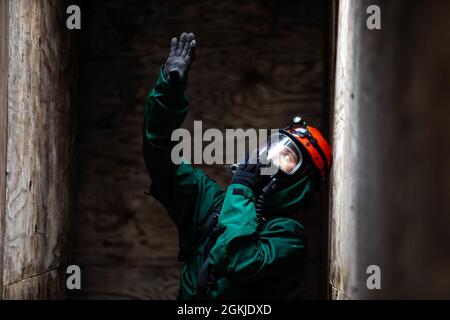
(3, 122)
(39, 150)
(391, 178)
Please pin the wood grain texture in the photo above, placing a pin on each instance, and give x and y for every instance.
(258, 64)
(47, 286)
(40, 146)
(3, 122)
(390, 199)
(343, 190)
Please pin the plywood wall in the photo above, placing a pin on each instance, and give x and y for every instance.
(259, 63)
(39, 150)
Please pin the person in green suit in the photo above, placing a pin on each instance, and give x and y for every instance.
(242, 242)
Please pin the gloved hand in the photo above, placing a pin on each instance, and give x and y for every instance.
(182, 54)
(249, 175)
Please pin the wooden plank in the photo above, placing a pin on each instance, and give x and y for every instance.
(126, 282)
(3, 123)
(344, 132)
(40, 141)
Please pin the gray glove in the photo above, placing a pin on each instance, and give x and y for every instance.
(182, 54)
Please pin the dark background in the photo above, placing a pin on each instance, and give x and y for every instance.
(259, 63)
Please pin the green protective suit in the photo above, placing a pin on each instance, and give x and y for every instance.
(249, 262)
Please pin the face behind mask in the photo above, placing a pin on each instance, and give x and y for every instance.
(282, 153)
(282, 165)
(292, 162)
(280, 157)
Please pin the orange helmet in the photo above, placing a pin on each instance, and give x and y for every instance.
(314, 143)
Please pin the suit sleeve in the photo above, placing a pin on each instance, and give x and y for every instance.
(243, 253)
(186, 192)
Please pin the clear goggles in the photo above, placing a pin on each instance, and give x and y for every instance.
(279, 152)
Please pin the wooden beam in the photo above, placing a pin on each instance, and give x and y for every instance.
(332, 43)
(391, 178)
(3, 123)
(39, 150)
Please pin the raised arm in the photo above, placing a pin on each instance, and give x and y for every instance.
(187, 193)
(168, 104)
